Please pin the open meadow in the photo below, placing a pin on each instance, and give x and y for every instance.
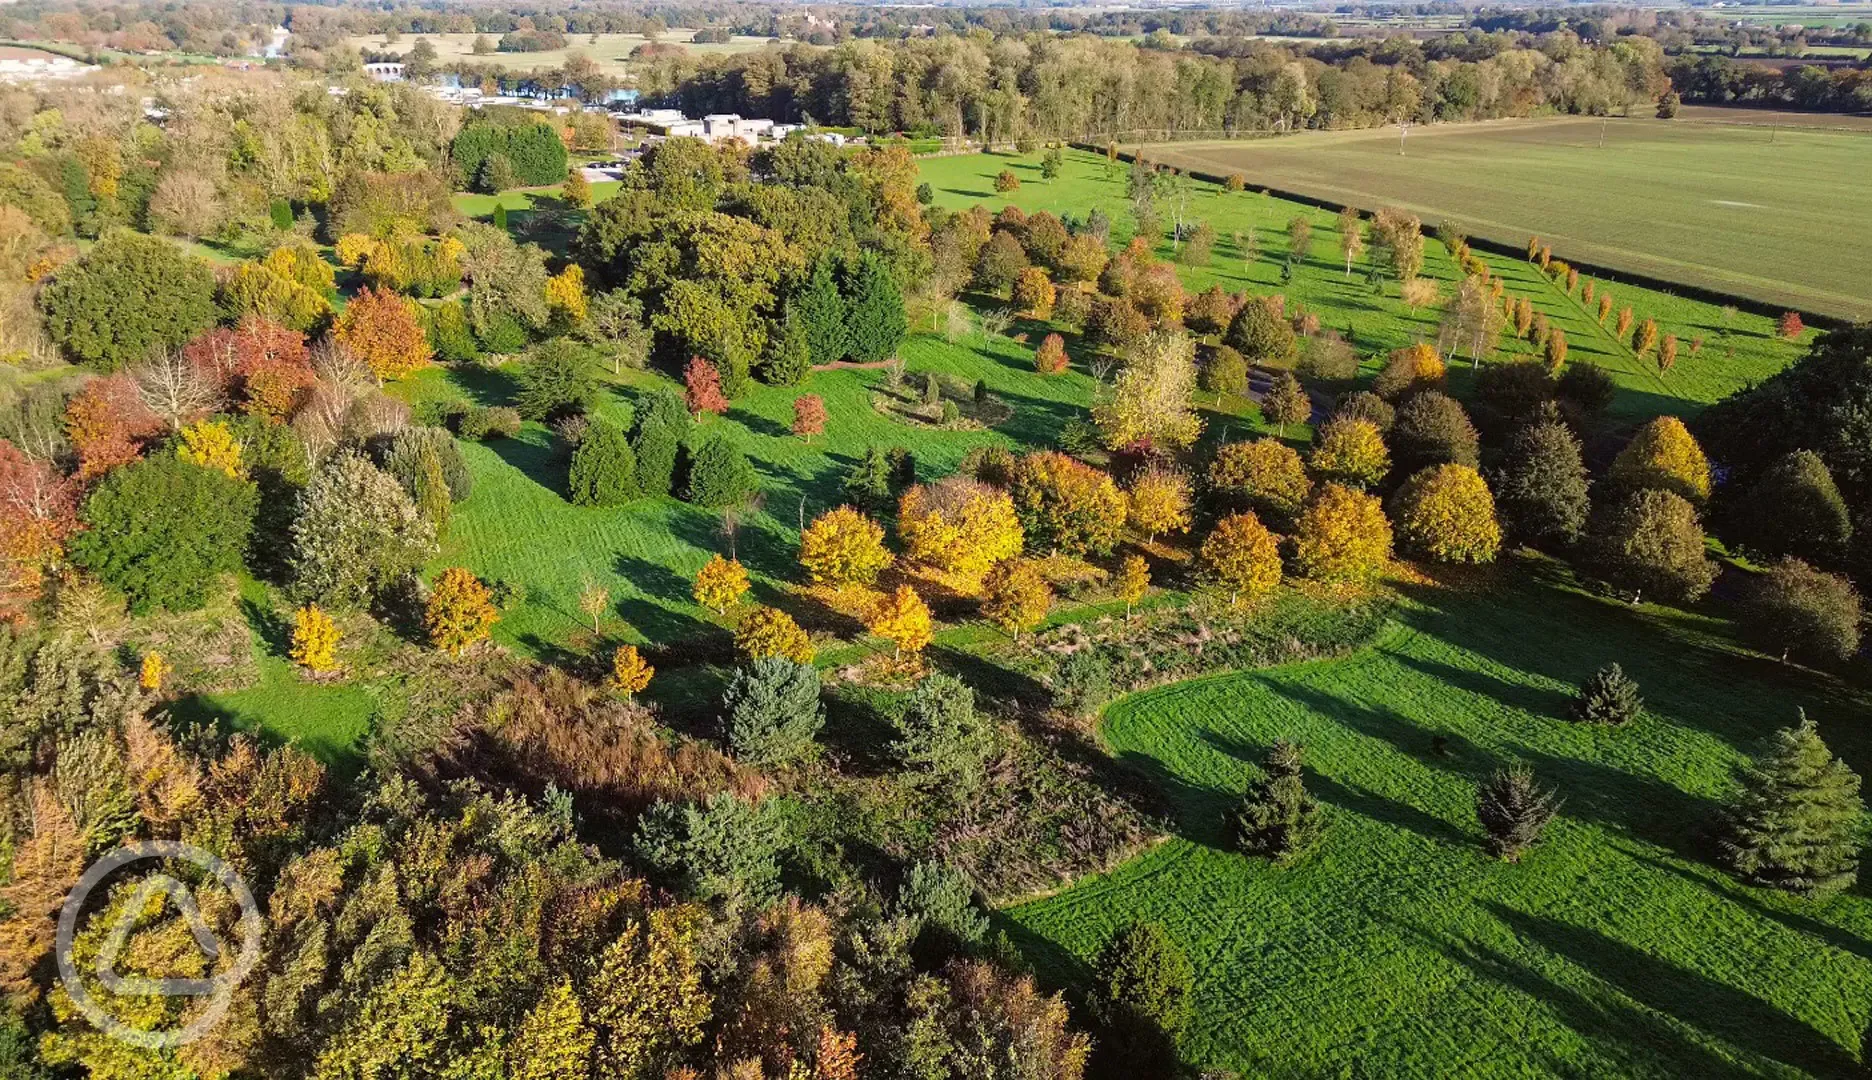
(1398, 949)
(1739, 210)
(610, 51)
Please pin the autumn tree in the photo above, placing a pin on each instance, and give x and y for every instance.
(1790, 325)
(767, 631)
(1410, 370)
(1261, 334)
(1556, 351)
(1150, 399)
(1287, 404)
(1663, 455)
(903, 619)
(1242, 556)
(1159, 502)
(1432, 429)
(1651, 541)
(1034, 293)
(702, 390)
(843, 547)
(809, 416)
(1797, 610)
(1794, 508)
(1797, 822)
(630, 673)
(1016, 596)
(1342, 536)
(1667, 352)
(1350, 451)
(1133, 581)
(1066, 504)
(1265, 475)
(460, 611)
(380, 328)
(315, 637)
(108, 424)
(960, 526)
(720, 584)
(1445, 512)
(1050, 358)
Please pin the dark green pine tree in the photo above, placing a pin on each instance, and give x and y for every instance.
(1278, 820)
(771, 711)
(789, 351)
(1141, 999)
(1515, 810)
(876, 307)
(1609, 697)
(822, 309)
(868, 485)
(1796, 823)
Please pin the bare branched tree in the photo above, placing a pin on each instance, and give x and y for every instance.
(175, 389)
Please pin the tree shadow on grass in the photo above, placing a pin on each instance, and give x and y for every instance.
(533, 455)
(484, 384)
(1714, 1007)
(859, 732)
(273, 630)
(1720, 883)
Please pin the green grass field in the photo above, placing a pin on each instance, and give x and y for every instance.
(1738, 349)
(1398, 949)
(1746, 211)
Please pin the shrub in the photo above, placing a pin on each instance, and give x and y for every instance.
(1651, 541)
(1446, 513)
(771, 711)
(1265, 475)
(1342, 536)
(1541, 488)
(1016, 596)
(315, 639)
(843, 547)
(163, 531)
(357, 532)
(1609, 698)
(1803, 611)
(1142, 986)
(1005, 181)
(1261, 334)
(1351, 452)
(1365, 405)
(482, 422)
(1796, 823)
(1664, 456)
(767, 631)
(1433, 429)
(460, 611)
(1514, 810)
(1082, 680)
(724, 849)
(719, 474)
(405, 460)
(1066, 504)
(1795, 508)
(940, 734)
(1278, 819)
(1050, 358)
(1243, 557)
(941, 901)
(557, 380)
(604, 468)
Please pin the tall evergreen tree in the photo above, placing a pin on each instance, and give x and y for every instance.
(789, 350)
(1796, 824)
(1141, 998)
(1515, 810)
(1609, 697)
(1541, 488)
(661, 424)
(771, 711)
(868, 485)
(1278, 819)
(1795, 509)
(821, 308)
(604, 469)
(876, 311)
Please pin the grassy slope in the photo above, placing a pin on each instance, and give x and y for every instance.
(1383, 323)
(1613, 949)
(1737, 209)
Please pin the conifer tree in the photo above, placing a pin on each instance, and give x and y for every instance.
(1141, 998)
(868, 485)
(820, 307)
(875, 311)
(1796, 823)
(1514, 809)
(1609, 697)
(789, 355)
(771, 711)
(1278, 820)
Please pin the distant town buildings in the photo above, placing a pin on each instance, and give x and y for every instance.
(27, 65)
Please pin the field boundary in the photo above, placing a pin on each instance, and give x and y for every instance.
(1604, 273)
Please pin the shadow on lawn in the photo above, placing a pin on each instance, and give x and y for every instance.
(1720, 883)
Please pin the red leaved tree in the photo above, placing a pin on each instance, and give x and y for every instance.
(38, 512)
(108, 424)
(702, 388)
(809, 416)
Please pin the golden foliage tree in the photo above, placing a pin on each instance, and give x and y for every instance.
(210, 444)
(720, 584)
(1034, 292)
(1266, 474)
(1151, 398)
(314, 639)
(903, 619)
(1160, 502)
(1447, 513)
(630, 672)
(1664, 455)
(1351, 451)
(960, 526)
(1342, 536)
(565, 294)
(767, 631)
(1066, 504)
(1645, 338)
(380, 328)
(460, 612)
(153, 671)
(1243, 556)
(1133, 581)
(1409, 370)
(843, 547)
(1016, 596)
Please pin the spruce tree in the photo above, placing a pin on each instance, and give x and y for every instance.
(719, 474)
(820, 306)
(1609, 697)
(771, 711)
(1278, 819)
(1514, 810)
(1141, 999)
(1796, 824)
(868, 485)
(661, 424)
(604, 470)
(876, 311)
(789, 354)
(1541, 488)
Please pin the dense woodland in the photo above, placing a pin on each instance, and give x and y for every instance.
(538, 876)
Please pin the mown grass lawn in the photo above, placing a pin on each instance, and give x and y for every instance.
(1398, 948)
(1738, 349)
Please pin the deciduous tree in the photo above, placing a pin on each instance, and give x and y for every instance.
(720, 584)
(1159, 502)
(1664, 456)
(1016, 596)
(460, 611)
(1799, 610)
(702, 390)
(843, 547)
(1243, 557)
(1265, 475)
(809, 416)
(1342, 536)
(903, 619)
(1651, 541)
(1350, 451)
(1151, 397)
(960, 526)
(1066, 504)
(381, 329)
(1445, 512)
(630, 673)
(767, 631)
